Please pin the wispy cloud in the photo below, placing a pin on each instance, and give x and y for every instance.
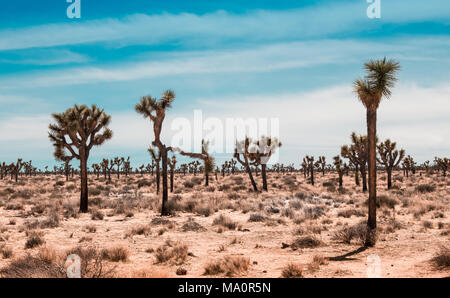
(44, 57)
(321, 121)
(222, 26)
(257, 59)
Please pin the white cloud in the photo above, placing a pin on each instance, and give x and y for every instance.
(317, 122)
(257, 59)
(221, 26)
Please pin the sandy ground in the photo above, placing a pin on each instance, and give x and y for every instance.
(410, 233)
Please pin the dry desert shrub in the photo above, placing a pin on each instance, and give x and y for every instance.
(175, 253)
(347, 234)
(34, 239)
(115, 254)
(425, 188)
(5, 252)
(32, 267)
(292, 271)
(92, 265)
(97, 214)
(442, 259)
(230, 266)
(257, 217)
(139, 230)
(305, 242)
(192, 226)
(225, 222)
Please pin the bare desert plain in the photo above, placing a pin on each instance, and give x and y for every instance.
(226, 229)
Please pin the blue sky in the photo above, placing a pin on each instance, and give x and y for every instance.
(294, 60)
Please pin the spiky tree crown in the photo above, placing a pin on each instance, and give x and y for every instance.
(378, 82)
(389, 156)
(79, 127)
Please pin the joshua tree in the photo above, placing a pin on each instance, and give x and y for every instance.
(378, 83)
(118, 162)
(242, 148)
(172, 163)
(108, 165)
(340, 166)
(232, 164)
(67, 167)
(261, 153)
(304, 166)
(156, 158)
(321, 164)
(357, 154)
(208, 160)
(15, 168)
(96, 168)
(408, 165)
(126, 166)
(3, 170)
(389, 157)
(443, 164)
(224, 166)
(184, 168)
(84, 127)
(155, 110)
(309, 161)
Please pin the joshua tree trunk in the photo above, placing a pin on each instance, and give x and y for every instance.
(158, 177)
(171, 179)
(84, 183)
(389, 178)
(357, 174)
(364, 178)
(206, 179)
(371, 134)
(311, 169)
(264, 176)
(341, 173)
(164, 209)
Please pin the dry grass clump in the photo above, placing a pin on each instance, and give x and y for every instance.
(97, 214)
(424, 188)
(347, 234)
(192, 226)
(257, 217)
(175, 253)
(230, 266)
(5, 252)
(115, 254)
(139, 230)
(92, 265)
(225, 222)
(32, 267)
(384, 201)
(292, 271)
(306, 242)
(347, 213)
(34, 239)
(442, 259)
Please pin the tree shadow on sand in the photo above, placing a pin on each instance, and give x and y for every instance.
(345, 257)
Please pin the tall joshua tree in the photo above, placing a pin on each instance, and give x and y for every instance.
(126, 168)
(443, 164)
(242, 148)
(389, 157)
(260, 154)
(15, 168)
(408, 165)
(156, 158)
(155, 110)
(340, 167)
(357, 154)
(380, 78)
(309, 161)
(76, 131)
(118, 163)
(208, 160)
(172, 162)
(321, 164)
